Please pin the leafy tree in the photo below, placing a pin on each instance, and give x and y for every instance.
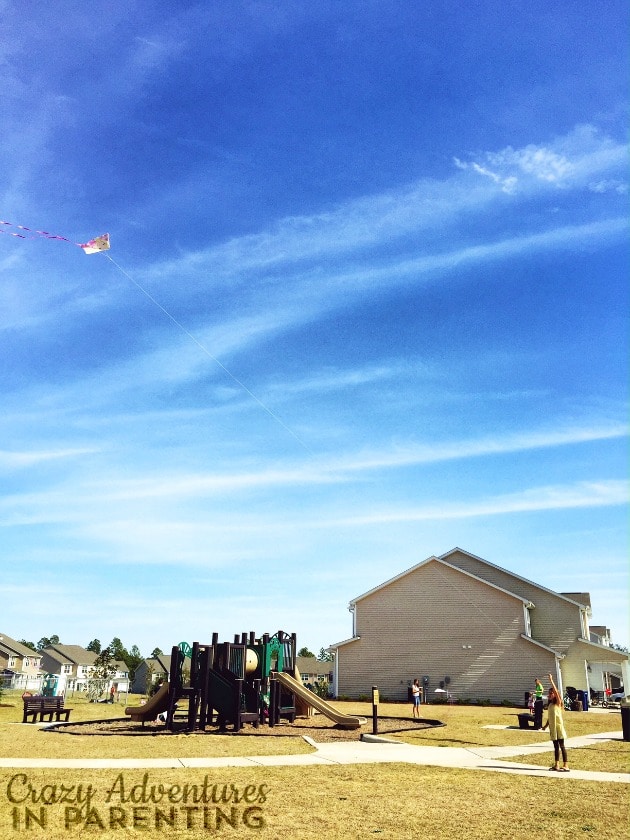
(29, 645)
(94, 646)
(119, 651)
(305, 652)
(133, 660)
(150, 679)
(322, 689)
(156, 652)
(47, 642)
(324, 656)
(100, 674)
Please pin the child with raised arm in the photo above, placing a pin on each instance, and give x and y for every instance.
(556, 727)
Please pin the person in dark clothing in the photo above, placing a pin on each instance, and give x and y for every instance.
(538, 706)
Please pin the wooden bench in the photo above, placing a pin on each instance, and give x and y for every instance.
(524, 720)
(44, 708)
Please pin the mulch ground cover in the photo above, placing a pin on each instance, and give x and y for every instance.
(318, 728)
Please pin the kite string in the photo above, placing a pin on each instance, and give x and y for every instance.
(205, 350)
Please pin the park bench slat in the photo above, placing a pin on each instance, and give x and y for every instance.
(44, 708)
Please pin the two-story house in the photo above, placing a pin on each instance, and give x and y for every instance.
(74, 666)
(469, 629)
(149, 671)
(314, 672)
(20, 667)
(604, 676)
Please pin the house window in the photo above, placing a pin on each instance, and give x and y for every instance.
(12, 662)
(528, 622)
(67, 669)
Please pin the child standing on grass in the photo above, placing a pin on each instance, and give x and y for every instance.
(415, 696)
(556, 727)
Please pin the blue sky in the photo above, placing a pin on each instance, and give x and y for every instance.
(366, 301)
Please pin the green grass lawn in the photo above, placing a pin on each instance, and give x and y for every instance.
(294, 803)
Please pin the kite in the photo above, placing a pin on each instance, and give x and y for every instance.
(99, 243)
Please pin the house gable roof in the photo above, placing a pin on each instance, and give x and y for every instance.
(441, 562)
(606, 654)
(57, 656)
(74, 654)
(160, 664)
(18, 648)
(564, 597)
(312, 665)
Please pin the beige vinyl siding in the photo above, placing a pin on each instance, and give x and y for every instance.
(438, 622)
(574, 672)
(555, 622)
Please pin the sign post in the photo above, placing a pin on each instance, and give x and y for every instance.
(374, 710)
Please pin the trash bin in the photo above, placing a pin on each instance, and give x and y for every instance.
(585, 701)
(625, 718)
(582, 698)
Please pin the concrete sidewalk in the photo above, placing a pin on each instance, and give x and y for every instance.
(370, 750)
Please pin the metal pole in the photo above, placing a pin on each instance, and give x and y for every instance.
(374, 710)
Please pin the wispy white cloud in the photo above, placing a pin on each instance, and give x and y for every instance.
(10, 460)
(78, 503)
(303, 298)
(590, 494)
(421, 208)
(338, 379)
(438, 452)
(609, 185)
(569, 161)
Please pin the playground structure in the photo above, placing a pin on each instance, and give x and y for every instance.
(154, 706)
(250, 680)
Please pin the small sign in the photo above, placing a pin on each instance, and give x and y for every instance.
(375, 696)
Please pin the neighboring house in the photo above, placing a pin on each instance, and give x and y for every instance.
(74, 664)
(149, 671)
(70, 663)
(603, 675)
(312, 670)
(120, 680)
(470, 629)
(20, 667)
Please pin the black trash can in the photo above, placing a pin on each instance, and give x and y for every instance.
(625, 718)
